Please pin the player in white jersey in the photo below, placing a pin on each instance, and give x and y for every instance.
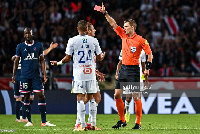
(83, 48)
(96, 96)
(136, 96)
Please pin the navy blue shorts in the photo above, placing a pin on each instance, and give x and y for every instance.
(17, 87)
(31, 85)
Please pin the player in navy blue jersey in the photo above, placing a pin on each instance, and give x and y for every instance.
(19, 107)
(30, 53)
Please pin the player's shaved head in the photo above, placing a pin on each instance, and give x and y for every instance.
(28, 34)
(82, 26)
(26, 30)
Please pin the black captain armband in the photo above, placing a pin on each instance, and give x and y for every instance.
(148, 65)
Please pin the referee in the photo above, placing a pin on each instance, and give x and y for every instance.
(132, 45)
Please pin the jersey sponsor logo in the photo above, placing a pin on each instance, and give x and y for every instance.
(133, 49)
(146, 42)
(87, 70)
(30, 57)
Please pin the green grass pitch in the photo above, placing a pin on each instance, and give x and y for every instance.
(151, 124)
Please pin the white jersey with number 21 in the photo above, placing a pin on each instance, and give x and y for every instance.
(83, 48)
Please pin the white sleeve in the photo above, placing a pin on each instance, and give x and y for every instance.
(120, 55)
(143, 56)
(97, 47)
(70, 47)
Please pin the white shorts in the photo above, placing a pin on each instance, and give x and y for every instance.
(97, 86)
(84, 87)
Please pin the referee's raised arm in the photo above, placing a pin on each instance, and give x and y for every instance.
(111, 21)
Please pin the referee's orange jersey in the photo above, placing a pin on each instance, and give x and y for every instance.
(132, 47)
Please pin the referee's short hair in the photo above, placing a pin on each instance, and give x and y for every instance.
(131, 22)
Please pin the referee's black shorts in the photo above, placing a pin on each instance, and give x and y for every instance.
(128, 73)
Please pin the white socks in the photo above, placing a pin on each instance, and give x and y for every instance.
(127, 106)
(81, 113)
(93, 111)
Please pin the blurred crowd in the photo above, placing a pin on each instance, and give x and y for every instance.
(56, 21)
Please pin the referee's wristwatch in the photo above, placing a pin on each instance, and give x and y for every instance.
(148, 65)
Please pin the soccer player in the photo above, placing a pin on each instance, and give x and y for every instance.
(83, 48)
(96, 96)
(136, 96)
(30, 53)
(132, 45)
(19, 107)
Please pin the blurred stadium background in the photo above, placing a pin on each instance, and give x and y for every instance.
(170, 26)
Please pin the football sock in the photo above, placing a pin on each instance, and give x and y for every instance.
(127, 106)
(17, 109)
(138, 111)
(27, 109)
(42, 108)
(89, 118)
(81, 112)
(93, 111)
(120, 108)
(78, 118)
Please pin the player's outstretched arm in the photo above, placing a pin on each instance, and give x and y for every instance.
(118, 68)
(15, 66)
(52, 46)
(111, 21)
(101, 56)
(63, 61)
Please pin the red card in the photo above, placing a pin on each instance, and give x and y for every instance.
(98, 8)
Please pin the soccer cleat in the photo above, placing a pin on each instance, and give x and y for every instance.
(137, 126)
(18, 120)
(79, 128)
(24, 120)
(88, 126)
(95, 128)
(48, 124)
(29, 124)
(127, 116)
(76, 127)
(119, 124)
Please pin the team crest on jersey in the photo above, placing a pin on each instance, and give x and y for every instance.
(34, 48)
(133, 49)
(146, 42)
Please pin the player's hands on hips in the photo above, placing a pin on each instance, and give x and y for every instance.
(100, 75)
(13, 79)
(45, 79)
(53, 45)
(54, 63)
(103, 9)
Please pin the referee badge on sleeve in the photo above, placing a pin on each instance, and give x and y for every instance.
(133, 49)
